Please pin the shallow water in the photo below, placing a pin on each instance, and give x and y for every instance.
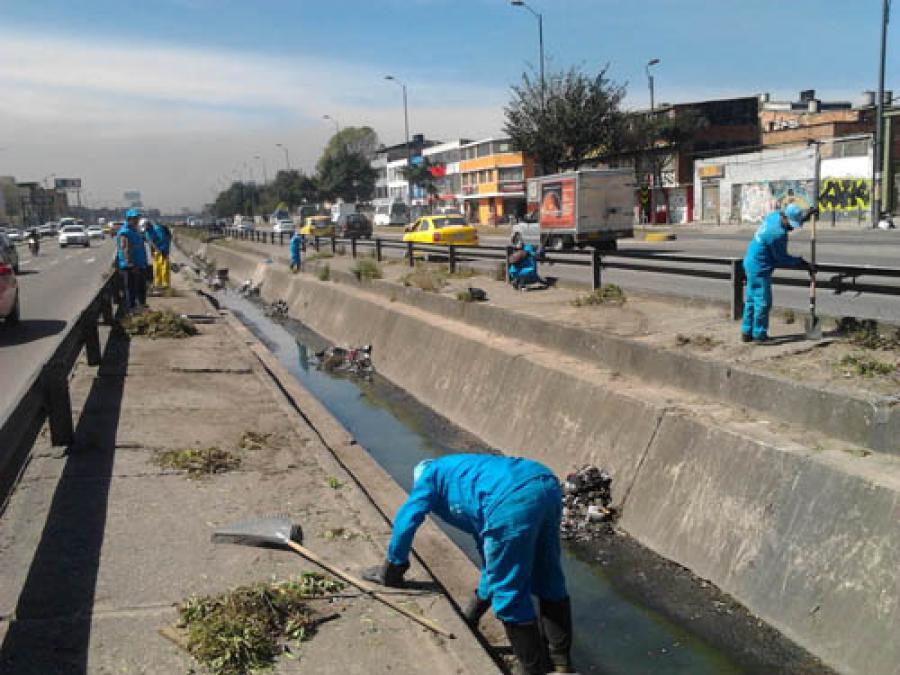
(614, 633)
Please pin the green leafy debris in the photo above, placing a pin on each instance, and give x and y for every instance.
(199, 462)
(607, 294)
(158, 324)
(865, 366)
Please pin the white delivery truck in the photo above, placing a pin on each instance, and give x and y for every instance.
(579, 208)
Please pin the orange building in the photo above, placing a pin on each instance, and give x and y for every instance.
(493, 181)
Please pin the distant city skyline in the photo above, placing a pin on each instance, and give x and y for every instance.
(176, 98)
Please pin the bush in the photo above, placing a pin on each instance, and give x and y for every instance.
(607, 294)
(366, 269)
(425, 278)
(325, 272)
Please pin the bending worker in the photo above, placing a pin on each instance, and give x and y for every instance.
(767, 251)
(523, 266)
(512, 507)
(296, 246)
(160, 238)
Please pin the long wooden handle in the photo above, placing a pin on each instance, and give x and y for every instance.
(812, 271)
(366, 588)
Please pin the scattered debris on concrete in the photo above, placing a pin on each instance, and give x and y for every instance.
(276, 309)
(199, 462)
(247, 629)
(587, 495)
(248, 289)
(158, 324)
(867, 333)
(355, 360)
(607, 294)
(864, 366)
(704, 342)
(254, 440)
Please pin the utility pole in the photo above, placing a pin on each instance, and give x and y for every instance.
(654, 164)
(878, 136)
(287, 158)
(406, 130)
(540, 20)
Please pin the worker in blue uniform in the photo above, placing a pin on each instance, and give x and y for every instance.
(160, 238)
(512, 507)
(296, 246)
(131, 261)
(767, 251)
(523, 266)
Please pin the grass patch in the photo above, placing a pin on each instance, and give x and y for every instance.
(425, 278)
(324, 274)
(789, 316)
(864, 366)
(607, 294)
(334, 483)
(462, 273)
(248, 628)
(158, 324)
(366, 269)
(704, 342)
(321, 255)
(867, 334)
(500, 272)
(253, 440)
(199, 462)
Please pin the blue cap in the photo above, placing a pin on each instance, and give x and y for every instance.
(132, 213)
(794, 214)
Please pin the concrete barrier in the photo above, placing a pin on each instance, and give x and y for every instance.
(806, 539)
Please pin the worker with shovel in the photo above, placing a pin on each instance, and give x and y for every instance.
(512, 507)
(296, 246)
(766, 252)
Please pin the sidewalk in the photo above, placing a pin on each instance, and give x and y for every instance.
(98, 544)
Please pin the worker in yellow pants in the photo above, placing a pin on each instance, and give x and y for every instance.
(160, 238)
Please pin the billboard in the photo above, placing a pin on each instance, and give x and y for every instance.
(132, 196)
(68, 183)
(558, 203)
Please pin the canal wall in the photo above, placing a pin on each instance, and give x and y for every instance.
(806, 539)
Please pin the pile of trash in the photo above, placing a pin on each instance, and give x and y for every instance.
(587, 495)
(248, 289)
(355, 360)
(277, 308)
(158, 324)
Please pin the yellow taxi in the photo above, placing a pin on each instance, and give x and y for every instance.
(317, 226)
(443, 230)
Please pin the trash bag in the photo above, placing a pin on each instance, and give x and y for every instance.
(587, 498)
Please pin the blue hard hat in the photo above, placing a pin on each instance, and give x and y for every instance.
(794, 214)
(132, 213)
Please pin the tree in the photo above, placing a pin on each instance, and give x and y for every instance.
(291, 187)
(346, 175)
(353, 140)
(238, 198)
(422, 174)
(580, 118)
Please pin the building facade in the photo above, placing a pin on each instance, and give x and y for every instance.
(493, 181)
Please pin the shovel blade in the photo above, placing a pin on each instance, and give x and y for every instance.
(267, 532)
(813, 328)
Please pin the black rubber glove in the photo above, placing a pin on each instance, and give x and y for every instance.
(475, 609)
(386, 574)
(810, 212)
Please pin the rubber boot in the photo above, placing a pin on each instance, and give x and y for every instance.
(525, 639)
(475, 609)
(556, 622)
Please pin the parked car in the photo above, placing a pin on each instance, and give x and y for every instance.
(317, 226)
(244, 223)
(73, 235)
(95, 232)
(391, 214)
(15, 235)
(442, 230)
(354, 226)
(8, 252)
(9, 291)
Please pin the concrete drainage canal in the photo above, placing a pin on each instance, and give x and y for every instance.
(634, 611)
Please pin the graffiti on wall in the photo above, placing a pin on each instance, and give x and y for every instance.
(844, 194)
(753, 201)
(797, 192)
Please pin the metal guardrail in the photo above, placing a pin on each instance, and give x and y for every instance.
(841, 279)
(46, 396)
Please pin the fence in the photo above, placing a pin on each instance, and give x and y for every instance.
(46, 396)
(842, 279)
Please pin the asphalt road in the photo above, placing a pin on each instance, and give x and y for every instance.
(53, 289)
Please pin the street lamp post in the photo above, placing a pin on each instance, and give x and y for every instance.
(265, 173)
(406, 131)
(650, 64)
(540, 19)
(337, 126)
(287, 158)
(878, 136)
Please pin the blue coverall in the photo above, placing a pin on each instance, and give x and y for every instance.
(525, 271)
(296, 246)
(766, 251)
(512, 507)
(133, 281)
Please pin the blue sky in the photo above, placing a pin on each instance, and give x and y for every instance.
(211, 84)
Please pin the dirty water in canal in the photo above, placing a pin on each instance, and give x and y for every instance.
(634, 612)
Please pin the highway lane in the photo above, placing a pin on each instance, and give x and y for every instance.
(54, 287)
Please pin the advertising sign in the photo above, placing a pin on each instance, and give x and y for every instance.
(558, 204)
(516, 186)
(68, 183)
(132, 196)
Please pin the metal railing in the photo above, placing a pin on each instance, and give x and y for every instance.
(841, 278)
(46, 396)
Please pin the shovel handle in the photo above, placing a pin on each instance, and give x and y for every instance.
(367, 589)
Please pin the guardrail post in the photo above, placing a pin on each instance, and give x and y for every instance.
(596, 260)
(409, 253)
(92, 342)
(333, 245)
(509, 252)
(378, 249)
(737, 289)
(281, 238)
(353, 247)
(451, 259)
(106, 308)
(58, 402)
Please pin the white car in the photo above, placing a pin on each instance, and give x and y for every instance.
(283, 225)
(95, 232)
(73, 235)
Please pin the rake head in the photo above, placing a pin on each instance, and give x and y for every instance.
(267, 532)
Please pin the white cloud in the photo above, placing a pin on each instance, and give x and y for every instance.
(78, 108)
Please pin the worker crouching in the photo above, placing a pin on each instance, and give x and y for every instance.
(512, 507)
(522, 269)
